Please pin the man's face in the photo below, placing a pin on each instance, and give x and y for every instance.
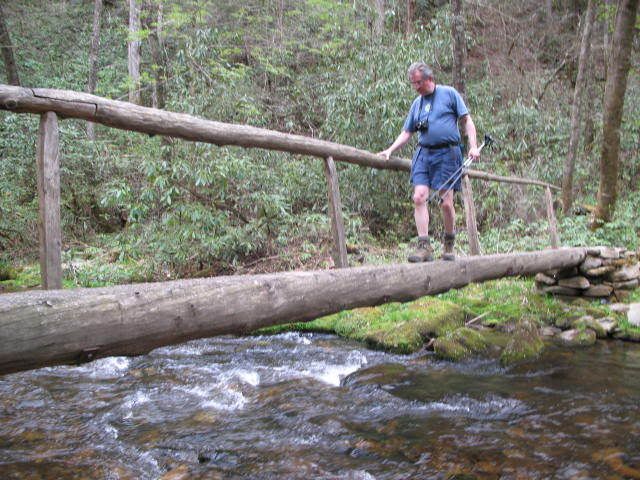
(423, 86)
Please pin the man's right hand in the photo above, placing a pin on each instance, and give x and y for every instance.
(385, 154)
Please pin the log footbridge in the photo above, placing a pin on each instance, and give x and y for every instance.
(53, 326)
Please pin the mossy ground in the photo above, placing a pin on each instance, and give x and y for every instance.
(500, 317)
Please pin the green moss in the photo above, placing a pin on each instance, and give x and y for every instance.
(402, 327)
(589, 322)
(525, 344)
(460, 343)
(395, 327)
(21, 278)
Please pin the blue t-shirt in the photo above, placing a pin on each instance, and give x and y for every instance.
(443, 108)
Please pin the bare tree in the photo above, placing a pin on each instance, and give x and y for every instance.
(459, 47)
(7, 52)
(93, 58)
(153, 23)
(614, 94)
(411, 13)
(134, 52)
(378, 28)
(576, 110)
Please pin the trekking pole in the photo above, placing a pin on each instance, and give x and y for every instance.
(455, 176)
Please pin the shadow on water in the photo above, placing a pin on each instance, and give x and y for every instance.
(315, 406)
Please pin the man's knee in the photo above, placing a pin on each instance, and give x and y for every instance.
(420, 195)
(447, 202)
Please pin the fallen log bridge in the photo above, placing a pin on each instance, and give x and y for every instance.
(42, 328)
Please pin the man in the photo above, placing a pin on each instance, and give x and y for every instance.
(435, 114)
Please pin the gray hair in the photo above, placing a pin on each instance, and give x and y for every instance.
(421, 67)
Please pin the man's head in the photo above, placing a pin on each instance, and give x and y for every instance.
(421, 78)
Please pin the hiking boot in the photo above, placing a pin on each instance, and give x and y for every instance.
(424, 252)
(448, 253)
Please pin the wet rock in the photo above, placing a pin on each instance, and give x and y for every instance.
(525, 344)
(608, 324)
(565, 323)
(543, 279)
(550, 331)
(633, 314)
(619, 307)
(578, 338)
(179, 473)
(461, 343)
(629, 335)
(598, 291)
(578, 282)
(587, 321)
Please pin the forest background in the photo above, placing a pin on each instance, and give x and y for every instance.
(138, 208)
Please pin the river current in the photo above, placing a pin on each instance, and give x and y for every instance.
(307, 406)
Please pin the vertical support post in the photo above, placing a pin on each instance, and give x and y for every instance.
(335, 212)
(551, 216)
(470, 215)
(49, 202)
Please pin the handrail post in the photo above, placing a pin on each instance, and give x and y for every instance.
(551, 216)
(335, 213)
(470, 215)
(49, 202)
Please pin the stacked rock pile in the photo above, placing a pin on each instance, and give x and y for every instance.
(606, 272)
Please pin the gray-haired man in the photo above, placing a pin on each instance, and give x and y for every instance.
(435, 114)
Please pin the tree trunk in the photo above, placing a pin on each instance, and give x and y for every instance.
(133, 45)
(410, 19)
(459, 47)
(7, 52)
(153, 24)
(576, 110)
(614, 94)
(378, 29)
(40, 328)
(93, 59)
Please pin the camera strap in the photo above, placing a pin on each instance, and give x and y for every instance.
(433, 101)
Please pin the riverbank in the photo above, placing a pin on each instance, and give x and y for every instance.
(507, 319)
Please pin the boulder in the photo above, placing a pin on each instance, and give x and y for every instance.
(621, 295)
(626, 273)
(628, 285)
(598, 291)
(600, 271)
(579, 282)
(525, 344)
(558, 290)
(619, 307)
(588, 322)
(605, 252)
(578, 338)
(608, 324)
(543, 279)
(590, 263)
(550, 331)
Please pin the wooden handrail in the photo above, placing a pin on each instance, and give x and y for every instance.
(128, 116)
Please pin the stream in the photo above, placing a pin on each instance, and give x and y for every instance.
(307, 406)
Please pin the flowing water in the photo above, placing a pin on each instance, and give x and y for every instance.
(305, 406)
